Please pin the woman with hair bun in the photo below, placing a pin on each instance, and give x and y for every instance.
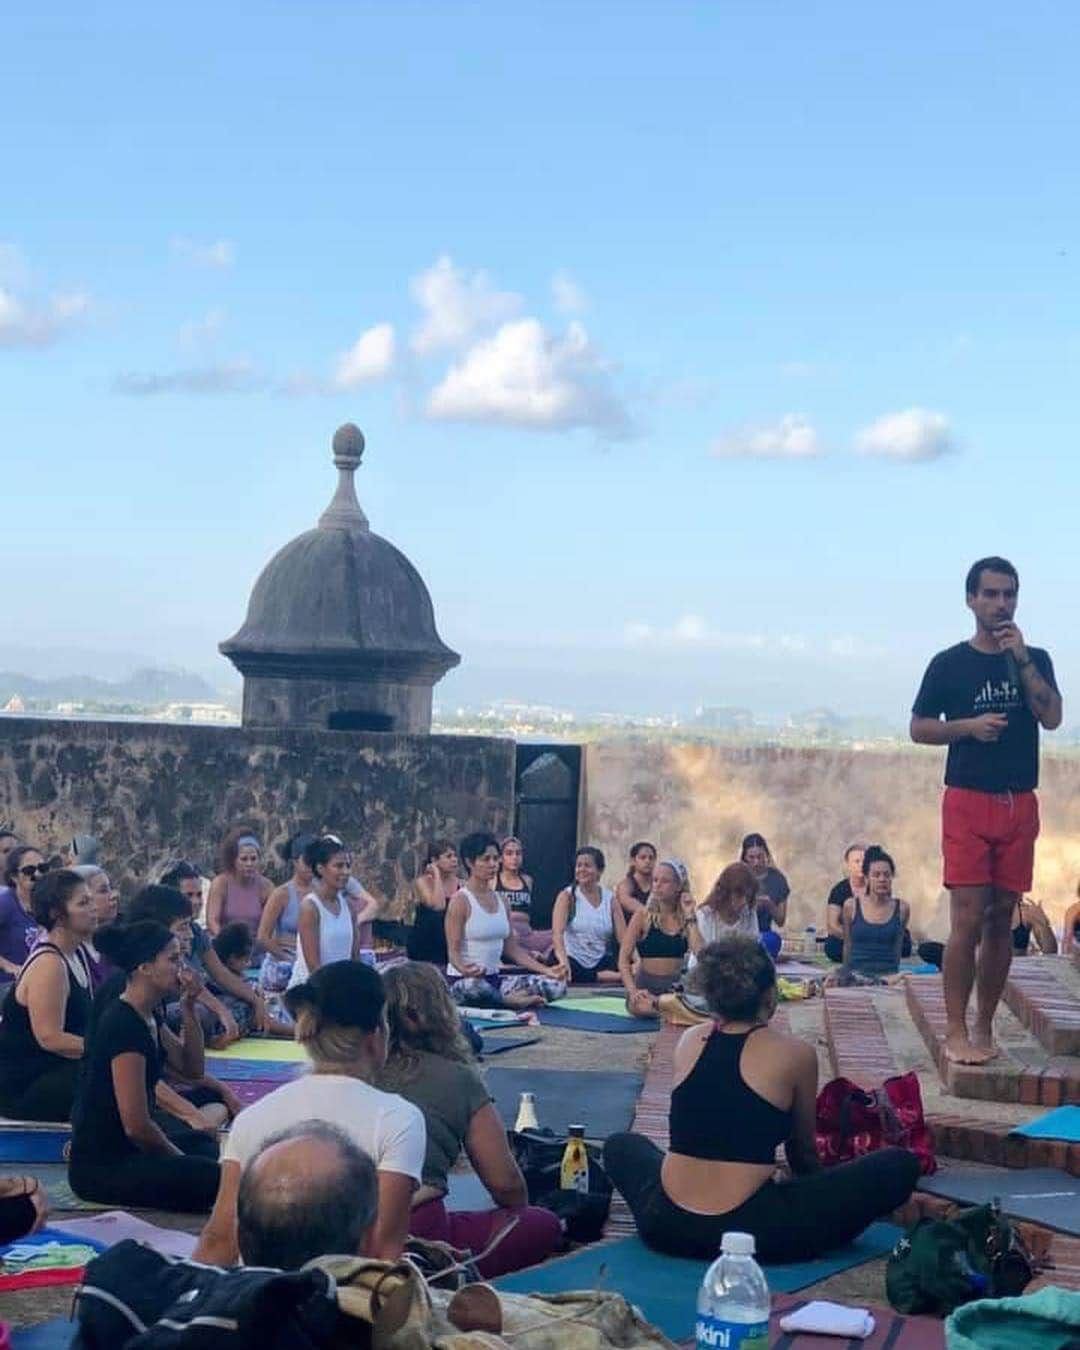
(119, 1154)
(719, 1173)
(46, 1013)
(340, 1020)
(280, 918)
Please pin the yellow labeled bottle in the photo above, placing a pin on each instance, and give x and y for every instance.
(574, 1171)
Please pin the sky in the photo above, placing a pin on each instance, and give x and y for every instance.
(699, 348)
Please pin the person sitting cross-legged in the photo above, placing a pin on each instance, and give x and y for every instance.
(720, 1173)
(874, 922)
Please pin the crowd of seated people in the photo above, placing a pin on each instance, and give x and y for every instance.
(107, 1017)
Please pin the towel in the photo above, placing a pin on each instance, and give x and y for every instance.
(830, 1319)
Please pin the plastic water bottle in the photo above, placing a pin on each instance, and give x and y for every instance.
(733, 1301)
(810, 941)
(526, 1113)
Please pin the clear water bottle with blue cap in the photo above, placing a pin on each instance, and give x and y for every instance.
(733, 1301)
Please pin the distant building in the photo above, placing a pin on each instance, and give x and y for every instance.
(14, 705)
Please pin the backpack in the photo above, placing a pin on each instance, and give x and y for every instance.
(942, 1263)
(539, 1155)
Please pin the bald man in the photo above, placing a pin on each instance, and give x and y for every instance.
(310, 1191)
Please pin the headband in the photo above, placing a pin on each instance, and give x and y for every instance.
(248, 841)
(680, 869)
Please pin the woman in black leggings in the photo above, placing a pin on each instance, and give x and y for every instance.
(740, 1090)
(119, 1154)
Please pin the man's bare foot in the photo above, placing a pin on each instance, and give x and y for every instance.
(960, 1049)
(982, 1042)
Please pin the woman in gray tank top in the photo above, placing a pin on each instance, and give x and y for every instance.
(874, 923)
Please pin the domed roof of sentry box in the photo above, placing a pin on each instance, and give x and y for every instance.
(339, 599)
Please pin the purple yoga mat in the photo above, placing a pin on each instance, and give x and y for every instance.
(249, 1090)
(263, 1070)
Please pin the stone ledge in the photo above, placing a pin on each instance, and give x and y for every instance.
(858, 1046)
(1045, 1005)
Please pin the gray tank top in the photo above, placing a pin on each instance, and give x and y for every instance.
(875, 947)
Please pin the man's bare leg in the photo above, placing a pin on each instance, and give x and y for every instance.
(992, 970)
(967, 904)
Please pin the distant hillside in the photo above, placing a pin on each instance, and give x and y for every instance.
(146, 686)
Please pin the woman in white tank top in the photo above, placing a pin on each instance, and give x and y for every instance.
(326, 928)
(586, 927)
(480, 936)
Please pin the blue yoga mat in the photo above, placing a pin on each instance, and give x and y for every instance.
(665, 1288)
(34, 1146)
(241, 1070)
(497, 1045)
(574, 1020)
(1061, 1123)
(1038, 1194)
(55, 1334)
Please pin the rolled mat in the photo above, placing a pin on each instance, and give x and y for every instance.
(665, 1288)
(51, 1145)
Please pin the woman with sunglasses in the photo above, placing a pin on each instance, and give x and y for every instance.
(46, 1013)
(19, 930)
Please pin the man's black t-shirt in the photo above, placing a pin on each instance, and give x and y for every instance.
(962, 682)
(97, 1130)
(839, 894)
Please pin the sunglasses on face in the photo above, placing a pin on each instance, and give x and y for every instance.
(33, 869)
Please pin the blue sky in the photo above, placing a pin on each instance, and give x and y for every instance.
(699, 348)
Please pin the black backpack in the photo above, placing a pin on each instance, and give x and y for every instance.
(539, 1154)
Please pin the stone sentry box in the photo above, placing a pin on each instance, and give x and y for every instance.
(340, 631)
(151, 791)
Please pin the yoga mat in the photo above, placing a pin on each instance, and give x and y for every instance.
(274, 1048)
(603, 1102)
(587, 1003)
(106, 1230)
(615, 1024)
(1061, 1123)
(1039, 1194)
(237, 1070)
(16, 1277)
(892, 1330)
(492, 1024)
(34, 1146)
(54, 1178)
(498, 1045)
(55, 1334)
(250, 1090)
(665, 1287)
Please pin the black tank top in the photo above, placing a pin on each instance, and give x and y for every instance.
(714, 1115)
(635, 890)
(22, 1059)
(660, 944)
(427, 936)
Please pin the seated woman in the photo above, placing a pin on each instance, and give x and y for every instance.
(327, 929)
(661, 935)
(239, 891)
(730, 907)
(106, 902)
(587, 926)
(480, 936)
(280, 917)
(516, 888)
(773, 889)
(19, 930)
(720, 1172)
(633, 890)
(120, 1155)
(46, 1014)
(854, 883)
(433, 889)
(341, 1023)
(874, 923)
(429, 1063)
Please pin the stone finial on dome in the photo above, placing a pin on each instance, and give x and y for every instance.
(344, 511)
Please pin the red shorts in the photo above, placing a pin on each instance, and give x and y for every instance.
(988, 838)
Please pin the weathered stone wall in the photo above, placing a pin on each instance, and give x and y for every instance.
(697, 801)
(150, 792)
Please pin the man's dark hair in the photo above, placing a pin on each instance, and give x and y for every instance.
(159, 904)
(285, 1227)
(177, 872)
(975, 571)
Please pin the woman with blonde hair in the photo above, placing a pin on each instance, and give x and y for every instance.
(429, 1063)
(661, 934)
(340, 1020)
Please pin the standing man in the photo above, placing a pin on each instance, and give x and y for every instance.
(994, 692)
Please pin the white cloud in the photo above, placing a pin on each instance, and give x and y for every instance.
(28, 323)
(371, 357)
(457, 306)
(237, 377)
(568, 295)
(201, 332)
(219, 255)
(793, 437)
(913, 436)
(524, 376)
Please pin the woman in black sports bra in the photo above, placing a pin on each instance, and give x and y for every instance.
(660, 934)
(741, 1090)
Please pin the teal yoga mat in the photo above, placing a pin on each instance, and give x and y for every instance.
(665, 1287)
(1061, 1123)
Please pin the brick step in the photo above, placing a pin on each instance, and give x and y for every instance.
(1046, 1006)
(1044, 1081)
(858, 1046)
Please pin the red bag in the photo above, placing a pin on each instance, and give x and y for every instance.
(851, 1122)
